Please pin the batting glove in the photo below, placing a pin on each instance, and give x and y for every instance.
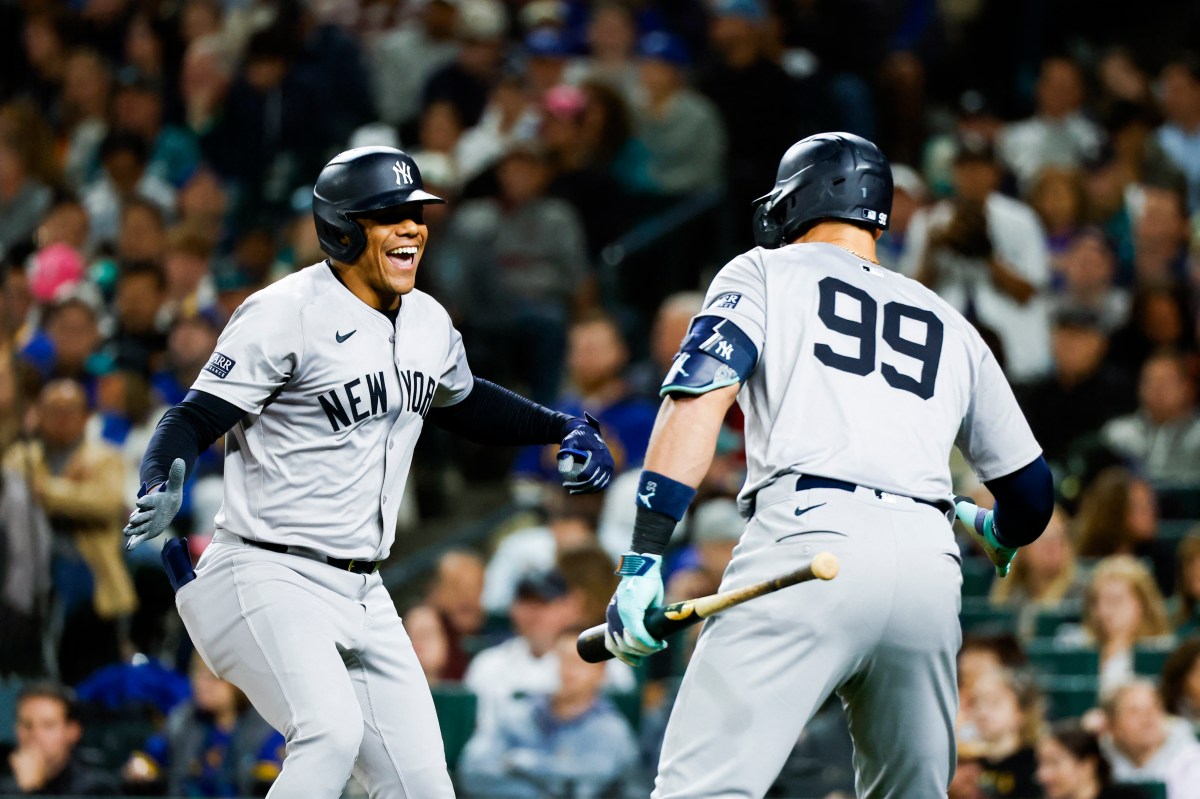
(982, 526)
(584, 461)
(640, 589)
(156, 509)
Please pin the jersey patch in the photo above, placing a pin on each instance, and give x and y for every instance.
(715, 353)
(729, 300)
(220, 365)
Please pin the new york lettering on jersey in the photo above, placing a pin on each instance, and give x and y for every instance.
(367, 396)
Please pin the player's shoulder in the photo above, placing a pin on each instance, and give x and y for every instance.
(919, 294)
(294, 292)
(426, 305)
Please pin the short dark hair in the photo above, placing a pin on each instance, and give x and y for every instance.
(1083, 745)
(45, 689)
(143, 269)
(122, 141)
(137, 203)
(1175, 672)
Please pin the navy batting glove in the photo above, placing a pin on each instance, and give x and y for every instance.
(584, 461)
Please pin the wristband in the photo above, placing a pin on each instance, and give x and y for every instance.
(661, 494)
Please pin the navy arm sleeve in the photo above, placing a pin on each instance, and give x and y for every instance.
(184, 432)
(1024, 503)
(491, 414)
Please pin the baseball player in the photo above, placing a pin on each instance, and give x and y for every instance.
(323, 381)
(855, 383)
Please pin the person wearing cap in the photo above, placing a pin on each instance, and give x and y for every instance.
(985, 254)
(679, 126)
(124, 158)
(548, 52)
(527, 664)
(569, 742)
(468, 80)
(1084, 391)
(909, 195)
(138, 108)
(402, 59)
(1058, 133)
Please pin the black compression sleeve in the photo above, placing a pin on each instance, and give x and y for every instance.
(1024, 503)
(185, 431)
(492, 414)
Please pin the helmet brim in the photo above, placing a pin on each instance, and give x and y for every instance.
(391, 199)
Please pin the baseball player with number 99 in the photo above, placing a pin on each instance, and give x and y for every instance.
(855, 382)
(323, 382)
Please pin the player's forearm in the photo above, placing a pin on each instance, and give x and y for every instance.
(184, 432)
(491, 414)
(685, 435)
(1024, 503)
(680, 452)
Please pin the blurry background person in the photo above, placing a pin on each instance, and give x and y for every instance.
(1071, 765)
(1146, 745)
(1185, 602)
(215, 745)
(1006, 709)
(1180, 683)
(1118, 515)
(47, 730)
(572, 742)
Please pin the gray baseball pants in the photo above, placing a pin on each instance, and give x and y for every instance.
(323, 656)
(883, 635)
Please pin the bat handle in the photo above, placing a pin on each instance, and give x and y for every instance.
(590, 645)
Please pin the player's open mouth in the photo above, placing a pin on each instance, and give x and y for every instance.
(403, 257)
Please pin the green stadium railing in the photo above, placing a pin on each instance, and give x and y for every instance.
(1069, 696)
(1050, 657)
(456, 708)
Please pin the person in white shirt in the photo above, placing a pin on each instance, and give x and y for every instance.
(1144, 744)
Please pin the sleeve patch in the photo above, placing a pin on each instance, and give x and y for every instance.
(220, 365)
(728, 300)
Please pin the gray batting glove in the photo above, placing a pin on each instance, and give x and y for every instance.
(640, 589)
(157, 508)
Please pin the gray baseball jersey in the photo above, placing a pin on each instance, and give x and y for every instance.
(862, 375)
(335, 397)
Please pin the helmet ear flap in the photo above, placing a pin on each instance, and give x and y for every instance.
(768, 232)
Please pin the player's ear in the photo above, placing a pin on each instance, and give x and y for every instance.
(877, 233)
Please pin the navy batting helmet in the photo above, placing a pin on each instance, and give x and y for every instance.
(826, 176)
(356, 183)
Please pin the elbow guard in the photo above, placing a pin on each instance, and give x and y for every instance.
(715, 353)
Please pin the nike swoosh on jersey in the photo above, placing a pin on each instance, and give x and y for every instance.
(802, 511)
(340, 338)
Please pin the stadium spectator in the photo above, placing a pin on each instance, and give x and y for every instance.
(25, 541)
(1118, 515)
(1185, 602)
(402, 59)
(140, 339)
(1179, 135)
(123, 158)
(1088, 271)
(547, 55)
(66, 346)
(534, 549)
(44, 40)
(23, 198)
(572, 742)
(78, 484)
(1072, 765)
(522, 266)
(429, 641)
(87, 94)
(715, 529)
(528, 662)
(671, 323)
(1145, 745)
(66, 222)
(457, 596)
(1059, 198)
(206, 75)
(214, 745)
(680, 127)
(1159, 319)
(909, 195)
(978, 656)
(1123, 608)
(47, 731)
(1006, 710)
(1180, 682)
(142, 235)
(467, 81)
(1162, 438)
(1085, 390)
(138, 109)
(1160, 237)
(611, 37)
(985, 254)
(189, 284)
(590, 575)
(1059, 133)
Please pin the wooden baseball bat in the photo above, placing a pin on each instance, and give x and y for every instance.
(661, 622)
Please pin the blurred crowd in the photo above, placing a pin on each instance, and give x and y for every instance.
(600, 159)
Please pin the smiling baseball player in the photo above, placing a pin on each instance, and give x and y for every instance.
(856, 383)
(323, 381)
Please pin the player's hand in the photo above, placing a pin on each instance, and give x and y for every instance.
(640, 589)
(982, 526)
(156, 509)
(584, 461)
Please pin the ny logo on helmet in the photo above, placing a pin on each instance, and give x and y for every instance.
(403, 173)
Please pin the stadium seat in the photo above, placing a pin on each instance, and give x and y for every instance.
(8, 709)
(456, 708)
(978, 574)
(1048, 621)
(1149, 790)
(1052, 658)
(1177, 529)
(1178, 501)
(977, 616)
(1148, 659)
(630, 705)
(1069, 696)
